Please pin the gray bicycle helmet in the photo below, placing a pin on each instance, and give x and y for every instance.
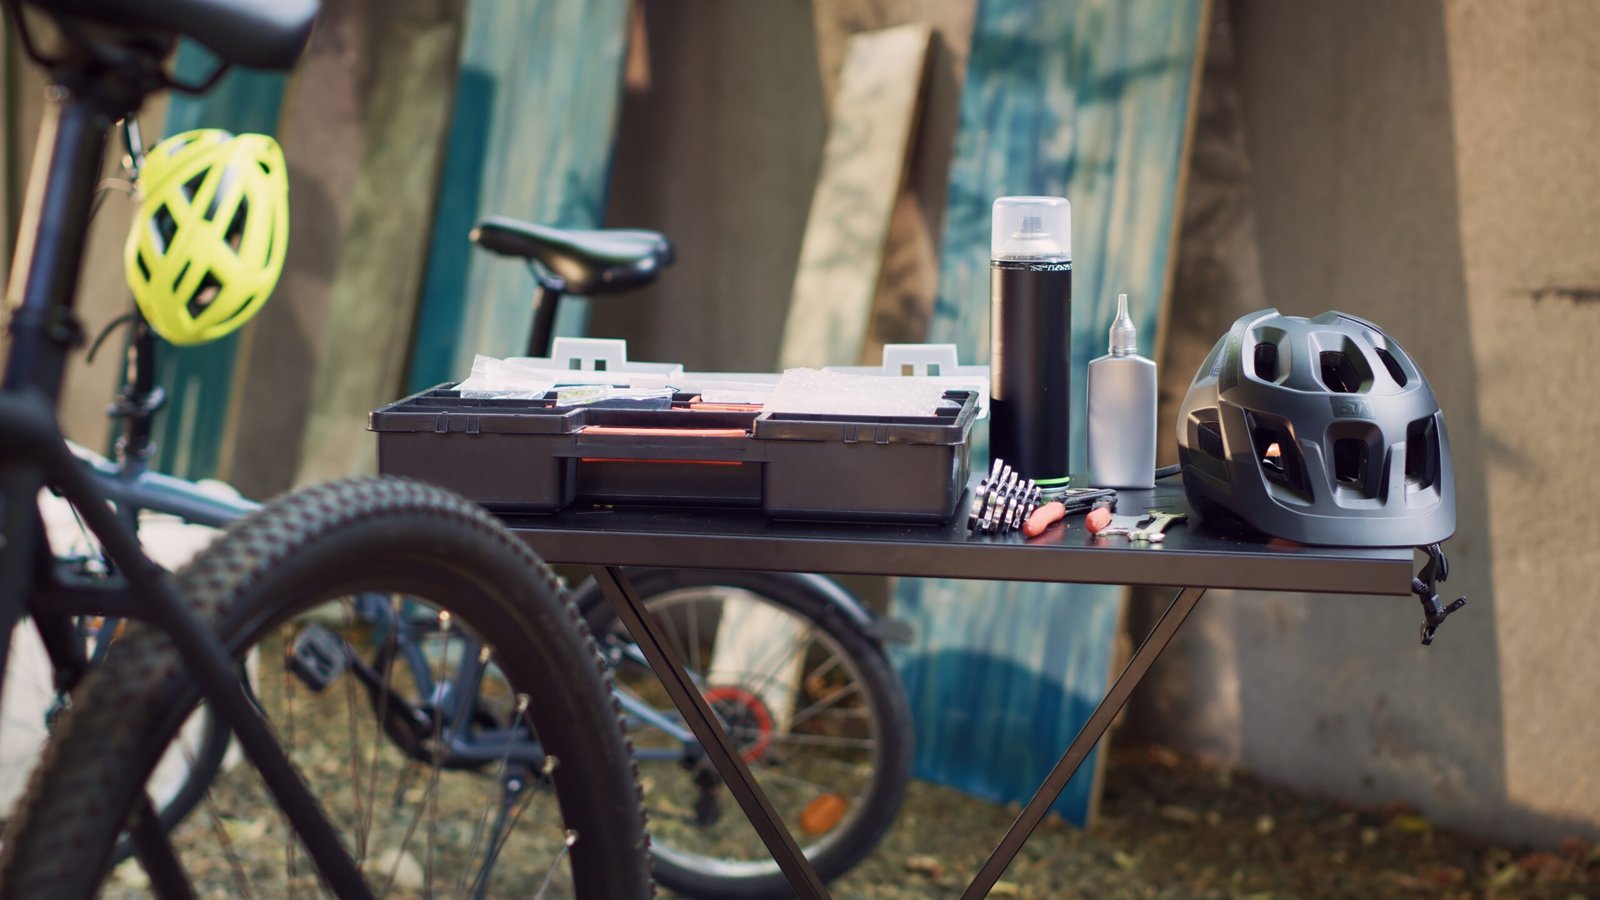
(1321, 431)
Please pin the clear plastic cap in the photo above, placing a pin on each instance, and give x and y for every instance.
(1032, 228)
(1124, 334)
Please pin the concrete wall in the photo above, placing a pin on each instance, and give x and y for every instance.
(1431, 166)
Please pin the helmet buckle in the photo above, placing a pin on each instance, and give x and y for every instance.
(1425, 586)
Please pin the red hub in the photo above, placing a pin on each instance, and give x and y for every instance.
(747, 718)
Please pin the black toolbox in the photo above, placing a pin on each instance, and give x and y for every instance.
(527, 456)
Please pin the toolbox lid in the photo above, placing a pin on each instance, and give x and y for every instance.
(948, 426)
(441, 410)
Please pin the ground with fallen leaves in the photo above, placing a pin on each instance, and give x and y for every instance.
(1172, 827)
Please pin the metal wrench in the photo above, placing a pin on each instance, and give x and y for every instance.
(1156, 531)
(1124, 525)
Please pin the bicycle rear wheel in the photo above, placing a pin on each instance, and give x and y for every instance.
(806, 695)
(175, 787)
(32, 697)
(517, 781)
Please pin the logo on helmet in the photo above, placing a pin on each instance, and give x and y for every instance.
(1351, 408)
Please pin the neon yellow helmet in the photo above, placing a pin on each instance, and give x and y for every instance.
(208, 240)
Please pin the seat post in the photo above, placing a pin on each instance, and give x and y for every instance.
(51, 238)
(545, 301)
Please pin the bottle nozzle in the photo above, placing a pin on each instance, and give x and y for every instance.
(1124, 336)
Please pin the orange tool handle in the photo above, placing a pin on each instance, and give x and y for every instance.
(1043, 518)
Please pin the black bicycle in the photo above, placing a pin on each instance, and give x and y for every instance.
(352, 788)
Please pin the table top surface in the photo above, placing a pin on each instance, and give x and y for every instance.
(1195, 554)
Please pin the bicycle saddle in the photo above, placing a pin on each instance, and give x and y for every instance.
(261, 34)
(600, 261)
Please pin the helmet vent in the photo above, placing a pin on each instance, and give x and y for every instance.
(1266, 361)
(225, 187)
(1389, 362)
(1422, 454)
(1350, 463)
(1270, 355)
(1340, 374)
(166, 227)
(1278, 455)
(235, 232)
(1209, 438)
(192, 186)
(204, 294)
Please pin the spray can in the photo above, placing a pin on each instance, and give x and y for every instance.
(1030, 335)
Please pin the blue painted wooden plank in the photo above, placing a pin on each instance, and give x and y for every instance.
(449, 252)
(540, 86)
(1087, 99)
(199, 380)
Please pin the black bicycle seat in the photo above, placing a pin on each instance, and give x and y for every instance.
(601, 261)
(261, 34)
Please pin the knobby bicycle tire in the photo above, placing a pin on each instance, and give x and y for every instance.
(700, 874)
(203, 768)
(339, 538)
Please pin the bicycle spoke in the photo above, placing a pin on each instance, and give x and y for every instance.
(697, 660)
(291, 868)
(215, 815)
(813, 740)
(677, 639)
(355, 745)
(788, 649)
(768, 679)
(550, 764)
(437, 748)
(500, 774)
(572, 838)
(811, 711)
(772, 776)
(834, 660)
(430, 805)
(391, 649)
(399, 853)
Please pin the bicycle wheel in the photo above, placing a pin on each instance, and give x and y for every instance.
(810, 700)
(520, 782)
(175, 787)
(32, 697)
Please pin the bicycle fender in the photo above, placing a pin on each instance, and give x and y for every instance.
(881, 629)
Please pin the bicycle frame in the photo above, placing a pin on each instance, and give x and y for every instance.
(90, 91)
(132, 487)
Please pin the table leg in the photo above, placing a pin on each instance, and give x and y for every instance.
(1078, 750)
(718, 747)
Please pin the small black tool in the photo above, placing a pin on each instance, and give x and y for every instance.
(1425, 586)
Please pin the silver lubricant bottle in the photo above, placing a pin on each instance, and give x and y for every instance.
(1122, 410)
(1030, 335)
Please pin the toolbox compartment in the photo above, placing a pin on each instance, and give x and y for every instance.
(526, 456)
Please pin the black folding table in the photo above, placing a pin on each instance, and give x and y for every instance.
(1193, 558)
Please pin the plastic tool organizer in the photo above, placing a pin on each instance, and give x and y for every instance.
(528, 456)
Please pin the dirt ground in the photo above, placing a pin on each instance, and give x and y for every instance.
(1172, 827)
